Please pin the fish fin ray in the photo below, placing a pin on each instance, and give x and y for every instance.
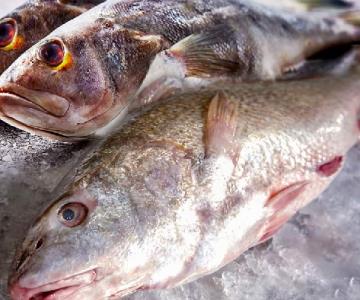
(222, 126)
(282, 199)
(198, 55)
(280, 204)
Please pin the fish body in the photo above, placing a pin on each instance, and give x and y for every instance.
(87, 74)
(32, 21)
(189, 185)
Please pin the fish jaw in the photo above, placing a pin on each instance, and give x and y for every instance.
(46, 114)
(51, 103)
(56, 290)
(22, 113)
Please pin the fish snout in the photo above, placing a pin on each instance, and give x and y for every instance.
(20, 264)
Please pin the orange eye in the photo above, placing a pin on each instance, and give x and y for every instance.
(7, 32)
(53, 53)
(72, 214)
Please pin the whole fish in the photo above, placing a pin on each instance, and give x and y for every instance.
(86, 75)
(187, 187)
(34, 20)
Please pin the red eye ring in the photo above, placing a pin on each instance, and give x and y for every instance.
(8, 29)
(53, 53)
(72, 214)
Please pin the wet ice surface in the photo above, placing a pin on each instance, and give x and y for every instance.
(315, 256)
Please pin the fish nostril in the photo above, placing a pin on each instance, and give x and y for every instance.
(39, 244)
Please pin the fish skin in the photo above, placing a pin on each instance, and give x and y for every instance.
(189, 185)
(113, 45)
(36, 19)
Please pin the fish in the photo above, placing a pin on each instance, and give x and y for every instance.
(87, 75)
(34, 20)
(187, 185)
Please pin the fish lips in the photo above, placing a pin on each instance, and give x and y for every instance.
(17, 95)
(61, 289)
(33, 111)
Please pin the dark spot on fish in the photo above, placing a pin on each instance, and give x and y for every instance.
(230, 203)
(330, 168)
(204, 214)
(106, 23)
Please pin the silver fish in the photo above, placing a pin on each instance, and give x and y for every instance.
(187, 187)
(86, 75)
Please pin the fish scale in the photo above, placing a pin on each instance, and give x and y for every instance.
(123, 54)
(189, 184)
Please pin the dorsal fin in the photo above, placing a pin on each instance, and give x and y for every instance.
(222, 126)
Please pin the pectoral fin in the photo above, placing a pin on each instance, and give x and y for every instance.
(283, 205)
(199, 55)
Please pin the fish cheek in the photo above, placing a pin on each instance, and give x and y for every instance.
(88, 80)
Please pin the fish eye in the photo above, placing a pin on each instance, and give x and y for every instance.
(7, 32)
(52, 53)
(72, 214)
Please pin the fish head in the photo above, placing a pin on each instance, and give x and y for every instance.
(77, 79)
(73, 248)
(98, 240)
(28, 24)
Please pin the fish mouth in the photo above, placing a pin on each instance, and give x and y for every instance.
(60, 289)
(18, 109)
(46, 102)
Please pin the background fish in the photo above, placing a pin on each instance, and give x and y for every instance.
(80, 79)
(34, 20)
(187, 187)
